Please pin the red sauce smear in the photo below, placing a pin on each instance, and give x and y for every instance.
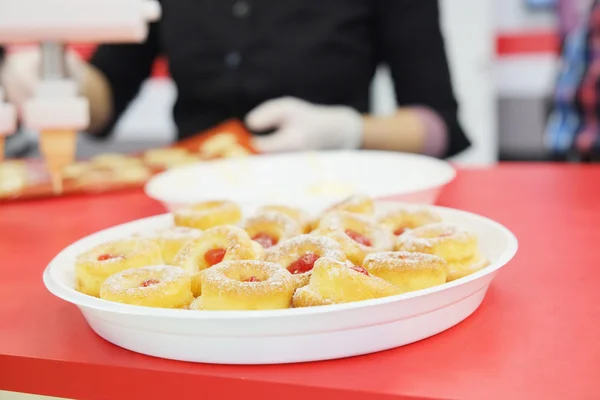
(399, 231)
(214, 256)
(359, 238)
(360, 269)
(252, 279)
(265, 240)
(303, 264)
(149, 282)
(104, 257)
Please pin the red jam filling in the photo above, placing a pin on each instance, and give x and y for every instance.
(149, 282)
(399, 231)
(359, 238)
(360, 269)
(265, 240)
(303, 264)
(104, 257)
(252, 279)
(214, 256)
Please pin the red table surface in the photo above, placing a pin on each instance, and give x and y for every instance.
(536, 335)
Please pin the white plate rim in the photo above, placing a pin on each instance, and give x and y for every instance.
(151, 188)
(72, 296)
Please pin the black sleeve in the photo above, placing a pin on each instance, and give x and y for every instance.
(411, 43)
(126, 66)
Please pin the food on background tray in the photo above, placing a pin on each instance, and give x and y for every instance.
(13, 177)
(92, 175)
(223, 145)
(168, 158)
(113, 171)
(227, 270)
(77, 169)
(115, 161)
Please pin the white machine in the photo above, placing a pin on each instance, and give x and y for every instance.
(8, 121)
(56, 110)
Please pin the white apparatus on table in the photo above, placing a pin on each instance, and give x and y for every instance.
(8, 121)
(56, 111)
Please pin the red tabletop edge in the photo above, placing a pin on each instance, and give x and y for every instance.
(534, 337)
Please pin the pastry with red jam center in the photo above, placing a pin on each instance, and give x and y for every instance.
(270, 228)
(95, 265)
(357, 234)
(245, 285)
(299, 254)
(399, 221)
(214, 245)
(160, 286)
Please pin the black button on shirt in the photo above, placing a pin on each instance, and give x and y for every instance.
(228, 56)
(241, 9)
(233, 59)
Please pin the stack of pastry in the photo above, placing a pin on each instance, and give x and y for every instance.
(222, 145)
(105, 168)
(215, 258)
(13, 177)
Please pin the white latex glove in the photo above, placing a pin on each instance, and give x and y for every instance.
(19, 73)
(300, 125)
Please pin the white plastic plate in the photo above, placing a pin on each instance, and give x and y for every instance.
(312, 179)
(284, 336)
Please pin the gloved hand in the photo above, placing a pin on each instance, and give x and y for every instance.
(300, 125)
(19, 73)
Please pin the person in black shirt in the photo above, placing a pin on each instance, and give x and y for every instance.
(298, 70)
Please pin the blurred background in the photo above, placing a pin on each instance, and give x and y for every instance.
(504, 58)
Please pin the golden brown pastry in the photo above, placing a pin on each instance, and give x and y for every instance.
(299, 254)
(357, 234)
(400, 220)
(160, 286)
(456, 246)
(407, 271)
(335, 282)
(221, 243)
(246, 285)
(208, 214)
(95, 265)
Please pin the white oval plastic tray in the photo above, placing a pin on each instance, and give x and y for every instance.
(313, 179)
(284, 336)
